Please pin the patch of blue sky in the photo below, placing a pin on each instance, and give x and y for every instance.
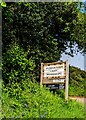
(77, 60)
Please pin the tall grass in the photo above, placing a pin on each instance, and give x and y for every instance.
(29, 100)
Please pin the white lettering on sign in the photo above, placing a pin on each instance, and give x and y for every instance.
(54, 70)
(59, 80)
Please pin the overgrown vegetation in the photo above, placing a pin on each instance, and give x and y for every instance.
(22, 97)
(46, 29)
(28, 100)
(35, 33)
(16, 65)
(77, 82)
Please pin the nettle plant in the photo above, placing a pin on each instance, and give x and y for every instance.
(16, 65)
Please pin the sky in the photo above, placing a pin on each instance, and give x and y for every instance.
(77, 60)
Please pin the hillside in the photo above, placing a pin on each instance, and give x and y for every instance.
(22, 96)
(29, 100)
(77, 83)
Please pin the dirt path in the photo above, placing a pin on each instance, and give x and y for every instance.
(79, 99)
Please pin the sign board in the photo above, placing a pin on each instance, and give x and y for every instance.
(54, 70)
(55, 75)
(56, 86)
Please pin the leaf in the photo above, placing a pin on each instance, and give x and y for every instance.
(3, 4)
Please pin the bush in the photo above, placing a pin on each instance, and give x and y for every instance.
(16, 66)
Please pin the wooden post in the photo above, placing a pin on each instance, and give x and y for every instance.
(41, 76)
(67, 80)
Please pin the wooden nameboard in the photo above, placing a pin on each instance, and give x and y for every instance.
(55, 73)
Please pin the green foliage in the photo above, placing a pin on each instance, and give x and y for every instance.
(77, 82)
(81, 31)
(47, 29)
(16, 65)
(42, 31)
(3, 4)
(45, 26)
(26, 99)
(29, 100)
(61, 93)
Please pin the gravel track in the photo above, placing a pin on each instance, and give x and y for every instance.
(79, 99)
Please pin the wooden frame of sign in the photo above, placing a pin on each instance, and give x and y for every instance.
(55, 73)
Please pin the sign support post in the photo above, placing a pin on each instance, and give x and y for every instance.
(41, 76)
(67, 80)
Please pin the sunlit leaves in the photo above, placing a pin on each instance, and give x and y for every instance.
(16, 66)
(3, 4)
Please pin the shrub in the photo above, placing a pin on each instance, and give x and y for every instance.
(16, 66)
